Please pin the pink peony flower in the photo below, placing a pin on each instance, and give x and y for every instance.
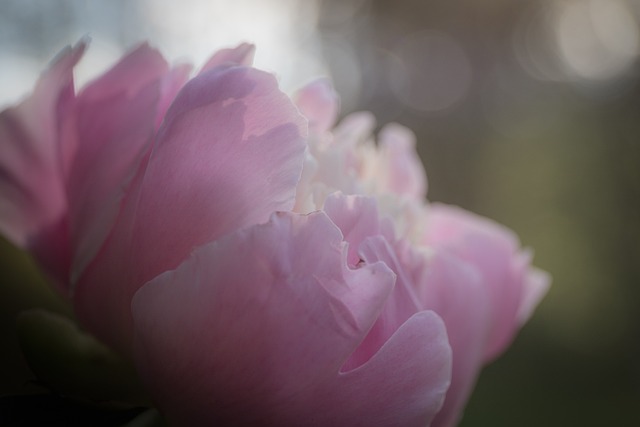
(260, 267)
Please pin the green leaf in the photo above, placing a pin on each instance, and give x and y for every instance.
(74, 364)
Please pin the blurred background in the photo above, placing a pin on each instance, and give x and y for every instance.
(526, 111)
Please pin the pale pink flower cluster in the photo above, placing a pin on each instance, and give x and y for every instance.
(260, 266)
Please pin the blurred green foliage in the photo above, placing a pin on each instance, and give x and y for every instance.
(22, 288)
(571, 192)
(51, 373)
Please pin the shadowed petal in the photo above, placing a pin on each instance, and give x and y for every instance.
(33, 202)
(278, 364)
(229, 153)
(114, 126)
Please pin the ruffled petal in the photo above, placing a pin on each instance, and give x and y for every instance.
(399, 307)
(229, 153)
(33, 203)
(114, 126)
(319, 103)
(356, 217)
(303, 312)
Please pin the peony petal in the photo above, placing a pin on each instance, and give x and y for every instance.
(171, 84)
(404, 384)
(493, 250)
(32, 196)
(354, 128)
(114, 125)
(536, 285)
(338, 157)
(303, 312)
(454, 290)
(399, 307)
(240, 55)
(134, 71)
(319, 103)
(356, 217)
(401, 169)
(229, 153)
(305, 202)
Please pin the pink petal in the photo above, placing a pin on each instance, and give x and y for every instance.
(536, 285)
(402, 169)
(32, 196)
(229, 153)
(356, 217)
(240, 55)
(407, 379)
(454, 290)
(305, 200)
(338, 162)
(399, 307)
(494, 251)
(171, 84)
(355, 128)
(319, 103)
(272, 313)
(134, 71)
(114, 126)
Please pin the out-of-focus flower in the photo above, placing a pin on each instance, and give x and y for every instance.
(257, 276)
